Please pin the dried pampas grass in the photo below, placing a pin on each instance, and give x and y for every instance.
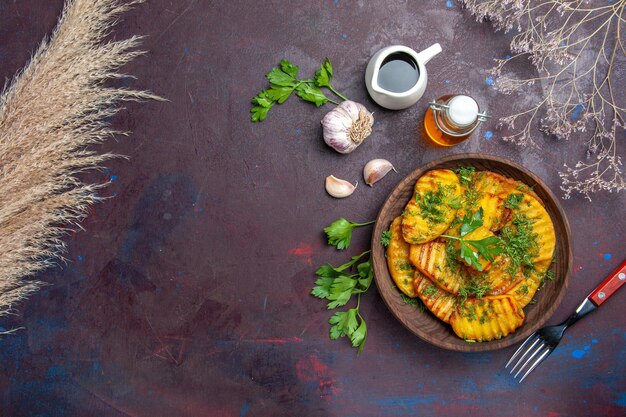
(53, 109)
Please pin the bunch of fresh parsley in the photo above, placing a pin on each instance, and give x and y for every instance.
(489, 247)
(339, 284)
(284, 81)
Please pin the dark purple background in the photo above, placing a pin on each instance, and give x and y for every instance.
(187, 293)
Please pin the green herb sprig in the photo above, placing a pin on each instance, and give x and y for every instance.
(385, 238)
(339, 233)
(465, 174)
(476, 289)
(284, 81)
(489, 247)
(338, 285)
(521, 244)
(513, 201)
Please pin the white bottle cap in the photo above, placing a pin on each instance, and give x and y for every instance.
(463, 110)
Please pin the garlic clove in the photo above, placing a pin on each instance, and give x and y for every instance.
(375, 170)
(339, 188)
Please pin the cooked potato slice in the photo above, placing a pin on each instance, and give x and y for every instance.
(432, 207)
(524, 290)
(439, 302)
(523, 188)
(432, 260)
(495, 184)
(400, 267)
(487, 318)
(495, 214)
(492, 183)
(531, 214)
(499, 277)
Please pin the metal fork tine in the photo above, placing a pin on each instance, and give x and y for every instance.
(537, 362)
(519, 349)
(539, 349)
(526, 353)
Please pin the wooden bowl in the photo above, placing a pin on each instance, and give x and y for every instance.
(427, 326)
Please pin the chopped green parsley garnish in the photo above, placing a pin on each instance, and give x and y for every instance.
(385, 238)
(513, 200)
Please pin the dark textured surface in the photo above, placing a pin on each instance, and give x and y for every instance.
(187, 293)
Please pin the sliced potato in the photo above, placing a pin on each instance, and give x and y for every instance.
(495, 184)
(400, 268)
(524, 290)
(432, 260)
(541, 225)
(432, 207)
(487, 318)
(441, 303)
(499, 277)
(495, 214)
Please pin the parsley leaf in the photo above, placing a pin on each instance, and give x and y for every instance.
(278, 93)
(471, 257)
(286, 75)
(357, 337)
(261, 105)
(366, 275)
(322, 290)
(349, 323)
(385, 238)
(311, 93)
(324, 76)
(340, 291)
(330, 271)
(343, 323)
(489, 247)
(339, 233)
(472, 222)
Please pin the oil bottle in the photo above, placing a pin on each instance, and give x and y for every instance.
(451, 119)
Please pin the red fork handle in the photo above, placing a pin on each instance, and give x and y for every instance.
(611, 284)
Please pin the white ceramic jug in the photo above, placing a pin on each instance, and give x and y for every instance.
(398, 100)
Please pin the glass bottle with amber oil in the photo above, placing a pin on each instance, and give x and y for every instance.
(451, 119)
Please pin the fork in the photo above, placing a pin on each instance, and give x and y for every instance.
(542, 343)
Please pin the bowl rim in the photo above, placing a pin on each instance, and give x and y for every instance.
(513, 338)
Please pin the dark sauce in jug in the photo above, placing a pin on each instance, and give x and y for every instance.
(398, 73)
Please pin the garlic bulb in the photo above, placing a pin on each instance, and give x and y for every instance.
(346, 126)
(375, 170)
(338, 188)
